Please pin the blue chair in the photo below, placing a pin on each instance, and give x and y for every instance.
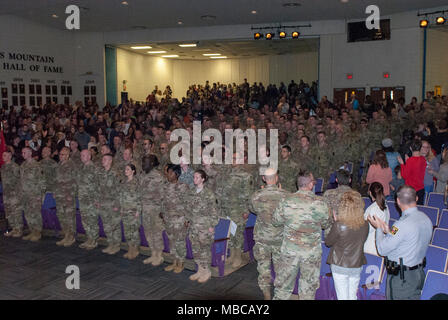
(436, 200)
(371, 275)
(431, 212)
(443, 219)
(393, 210)
(435, 282)
(319, 186)
(436, 259)
(367, 202)
(440, 238)
(378, 294)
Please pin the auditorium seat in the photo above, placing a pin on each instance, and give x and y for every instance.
(319, 186)
(436, 200)
(367, 202)
(435, 282)
(378, 294)
(443, 219)
(393, 210)
(249, 235)
(440, 238)
(436, 259)
(371, 275)
(431, 212)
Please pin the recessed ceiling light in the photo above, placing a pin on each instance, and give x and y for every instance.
(125, 3)
(291, 4)
(187, 45)
(253, 12)
(344, 1)
(141, 47)
(156, 51)
(208, 17)
(220, 57)
(55, 16)
(211, 54)
(179, 22)
(171, 56)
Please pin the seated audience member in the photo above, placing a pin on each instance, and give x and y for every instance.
(346, 239)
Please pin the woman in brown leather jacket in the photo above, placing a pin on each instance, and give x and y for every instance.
(346, 239)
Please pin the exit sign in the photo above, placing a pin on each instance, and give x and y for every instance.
(349, 76)
(386, 75)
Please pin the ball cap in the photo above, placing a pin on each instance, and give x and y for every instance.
(387, 143)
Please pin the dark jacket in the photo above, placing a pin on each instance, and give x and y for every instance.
(347, 245)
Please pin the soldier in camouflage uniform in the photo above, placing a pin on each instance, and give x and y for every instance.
(173, 208)
(234, 189)
(287, 170)
(87, 182)
(10, 172)
(267, 237)
(32, 191)
(108, 204)
(48, 166)
(304, 156)
(202, 219)
(302, 217)
(64, 195)
(131, 206)
(152, 189)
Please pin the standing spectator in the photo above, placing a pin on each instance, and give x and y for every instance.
(378, 209)
(391, 155)
(413, 171)
(431, 162)
(346, 238)
(379, 171)
(405, 247)
(441, 174)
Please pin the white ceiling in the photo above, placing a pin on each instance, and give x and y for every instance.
(111, 15)
(232, 49)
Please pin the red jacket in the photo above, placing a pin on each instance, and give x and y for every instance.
(413, 172)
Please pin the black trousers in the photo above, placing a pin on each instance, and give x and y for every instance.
(410, 288)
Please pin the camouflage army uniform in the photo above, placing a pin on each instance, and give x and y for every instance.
(267, 237)
(203, 214)
(131, 206)
(187, 177)
(64, 194)
(212, 175)
(287, 174)
(173, 208)
(109, 199)
(11, 194)
(322, 161)
(48, 170)
(302, 216)
(304, 159)
(32, 191)
(152, 189)
(87, 181)
(234, 190)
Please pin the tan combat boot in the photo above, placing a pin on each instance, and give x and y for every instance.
(16, 233)
(158, 259)
(115, 248)
(150, 259)
(205, 275)
(107, 249)
(28, 237)
(91, 245)
(237, 260)
(70, 239)
(197, 275)
(36, 236)
(179, 267)
(8, 234)
(63, 240)
(134, 252)
(171, 266)
(229, 259)
(84, 244)
(267, 294)
(126, 255)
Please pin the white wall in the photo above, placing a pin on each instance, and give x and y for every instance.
(437, 60)
(144, 72)
(76, 53)
(401, 57)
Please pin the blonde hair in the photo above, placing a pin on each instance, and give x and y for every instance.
(351, 210)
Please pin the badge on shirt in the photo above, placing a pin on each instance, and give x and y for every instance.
(394, 230)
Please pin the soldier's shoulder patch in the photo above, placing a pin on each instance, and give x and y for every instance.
(394, 230)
